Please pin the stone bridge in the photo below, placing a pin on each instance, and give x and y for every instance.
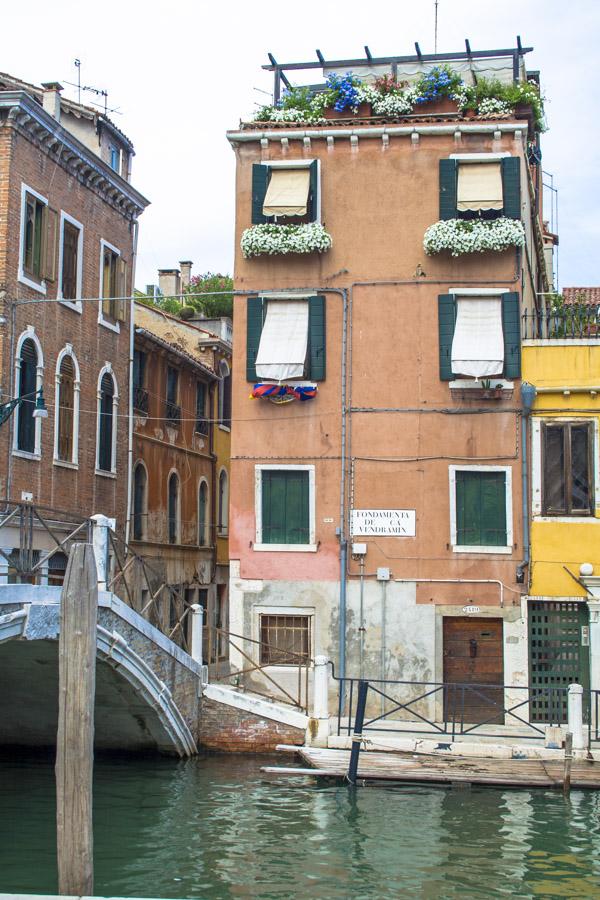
(147, 688)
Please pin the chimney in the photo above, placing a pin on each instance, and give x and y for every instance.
(51, 99)
(186, 271)
(169, 281)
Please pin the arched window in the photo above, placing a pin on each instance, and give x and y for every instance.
(107, 426)
(173, 507)
(223, 502)
(224, 394)
(203, 514)
(140, 501)
(67, 407)
(27, 370)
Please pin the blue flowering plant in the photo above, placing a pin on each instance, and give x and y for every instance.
(439, 82)
(343, 92)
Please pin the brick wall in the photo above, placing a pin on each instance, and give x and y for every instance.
(76, 489)
(233, 730)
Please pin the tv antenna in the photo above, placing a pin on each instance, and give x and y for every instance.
(435, 27)
(99, 92)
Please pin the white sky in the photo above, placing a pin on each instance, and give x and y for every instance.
(183, 72)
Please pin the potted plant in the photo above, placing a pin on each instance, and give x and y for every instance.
(437, 91)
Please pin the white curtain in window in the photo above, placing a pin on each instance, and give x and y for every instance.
(284, 341)
(287, 193)
(478, 343)
(479, 186)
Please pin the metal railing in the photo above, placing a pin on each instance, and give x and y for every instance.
(140, 400)
(172, 413)
(202, 426)
(446, 709)
(569, 322)
(301, 661)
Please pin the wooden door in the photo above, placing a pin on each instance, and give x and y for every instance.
(473, 657)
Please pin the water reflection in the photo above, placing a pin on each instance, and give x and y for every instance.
(216, 828)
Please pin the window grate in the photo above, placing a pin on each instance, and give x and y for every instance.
(285, 640)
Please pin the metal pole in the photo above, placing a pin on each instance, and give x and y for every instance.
(363, 687)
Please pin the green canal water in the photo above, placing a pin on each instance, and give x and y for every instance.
(215, 827)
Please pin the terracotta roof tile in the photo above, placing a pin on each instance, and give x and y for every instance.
(582, 295)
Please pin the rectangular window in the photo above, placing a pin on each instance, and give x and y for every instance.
(114, 158)
(140, 394)
(285, 640)
(294, 342)
(39, 234)
(480, 185)
(287, 193)
(70, 287)
(113, 284)
(284, 341)
(479, 334)
(568, 488)
(478, 342)
(481, 518)
(285, 507)
(173, 410)
(35, 214)
(201, 426)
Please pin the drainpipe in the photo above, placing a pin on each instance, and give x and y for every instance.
(130, 394)
(528, 393)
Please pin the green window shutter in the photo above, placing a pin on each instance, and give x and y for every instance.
(481, 509)
(285, 507)
(448, 176)
(313, 191)
(511, 328)
(254, 325)
(446, 322)
(511, 186)
(316, 339)
(260, 180)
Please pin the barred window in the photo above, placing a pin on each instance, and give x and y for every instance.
(285, 640)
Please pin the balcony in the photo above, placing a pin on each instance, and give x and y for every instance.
(172, 414)
(568, 323)
(202, 427)
(140, 400)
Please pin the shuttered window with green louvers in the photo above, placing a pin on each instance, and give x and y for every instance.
(261, 174)
(285, 507)
(510, 329)
(481, 509)
(511, 188)
(317, 336)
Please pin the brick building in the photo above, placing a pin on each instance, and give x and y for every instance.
(180, 498)
(381, 522)
(68, 232)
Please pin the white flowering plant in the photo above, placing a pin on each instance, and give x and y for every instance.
(389, 97)
(272, 239)
(460, 236)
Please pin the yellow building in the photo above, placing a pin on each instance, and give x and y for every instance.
(561, 359)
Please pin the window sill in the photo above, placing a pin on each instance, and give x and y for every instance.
(285, 548)
(224, 427)
(74, 305)
(223, 534)
(104, 474)
(567, 519)
(112, 326)
(24, 454)
(65, 464)
(39, 286)
(460, 548)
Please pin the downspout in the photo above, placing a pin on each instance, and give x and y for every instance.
(214, 414)
(130, 394)
(11, 394)
(528, 393)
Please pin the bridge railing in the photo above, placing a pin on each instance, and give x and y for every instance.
(293, 690)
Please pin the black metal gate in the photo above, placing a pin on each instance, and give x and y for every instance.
(558, 656)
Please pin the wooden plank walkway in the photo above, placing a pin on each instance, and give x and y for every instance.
(443, 769)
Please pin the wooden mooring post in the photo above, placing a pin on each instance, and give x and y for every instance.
(568, 762)
(75, 737)
(361, 703)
